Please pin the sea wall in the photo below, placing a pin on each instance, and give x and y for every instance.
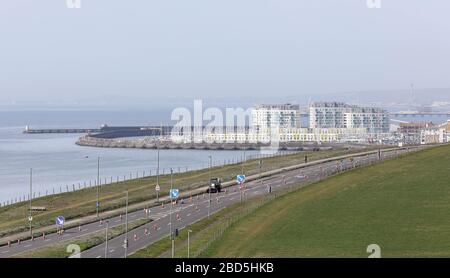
(154, 143)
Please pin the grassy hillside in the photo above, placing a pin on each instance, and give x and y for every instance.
(403, 205)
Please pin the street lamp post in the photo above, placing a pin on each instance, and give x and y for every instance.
(260, 166)
(98, 185)
(157, 177)
(172, 237)
(209, 186)
(189, 231)
(106, 239)
(126, 225)
(30, 216)
(171, 201)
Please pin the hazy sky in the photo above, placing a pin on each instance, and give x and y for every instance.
(124, 51)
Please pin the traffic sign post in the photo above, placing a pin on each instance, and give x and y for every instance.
(60, 222)
(240, 179)
(174, 193)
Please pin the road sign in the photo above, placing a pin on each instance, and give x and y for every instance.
(98, 204)
(157, 188)
(174, 193)
(60, 220)
(240, 179)
(30, 218)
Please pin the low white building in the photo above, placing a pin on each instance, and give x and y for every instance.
(326, 135)
(433, 136)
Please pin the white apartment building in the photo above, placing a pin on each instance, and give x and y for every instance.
(266, 116)
(341, 115)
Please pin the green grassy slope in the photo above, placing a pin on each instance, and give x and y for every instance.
(403, 205)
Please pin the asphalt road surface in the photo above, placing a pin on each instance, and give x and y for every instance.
(187, 211)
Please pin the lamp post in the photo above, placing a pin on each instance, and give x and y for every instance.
(157, 178)
(172, 236)
(126, 225)
(106, 239)
(189, 231)
(30, 216)
(171, 201)
(97, 205)
(260, 166)
(209, 185)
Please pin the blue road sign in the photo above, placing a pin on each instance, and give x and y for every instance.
(60, 220)
(174, 193)
(98, 204)
(240, 179)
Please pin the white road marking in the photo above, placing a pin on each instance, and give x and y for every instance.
(4, 252)
(188, 215)
(98, 257)
(48, 239)
(26, 246)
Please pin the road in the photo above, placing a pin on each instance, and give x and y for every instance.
(189, 210)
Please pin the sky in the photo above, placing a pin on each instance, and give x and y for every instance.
(166, 52)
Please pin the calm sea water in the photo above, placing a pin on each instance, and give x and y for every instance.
(57, 161)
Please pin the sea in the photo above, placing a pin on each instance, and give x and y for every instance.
(57, 163)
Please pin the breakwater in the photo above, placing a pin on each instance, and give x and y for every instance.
(166, 143)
